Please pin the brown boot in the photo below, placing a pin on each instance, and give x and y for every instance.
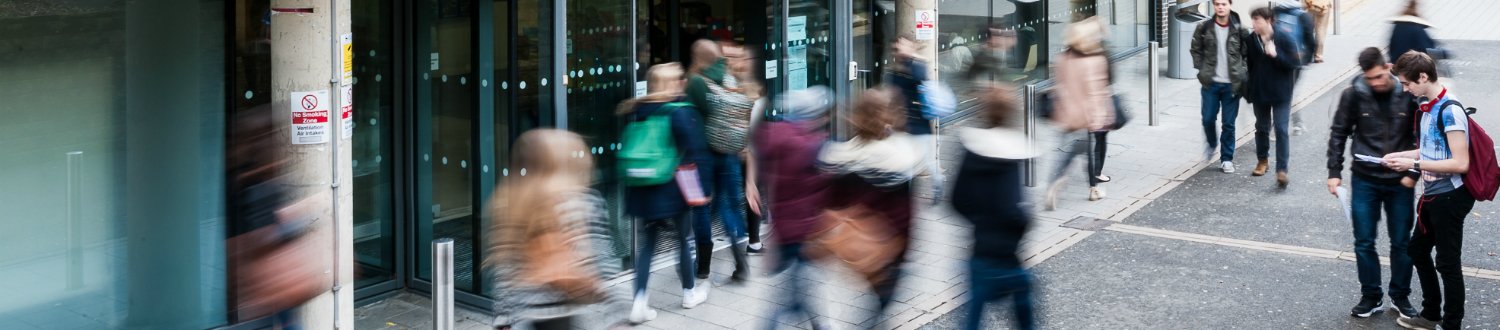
(1281, 179)
(1260, 168)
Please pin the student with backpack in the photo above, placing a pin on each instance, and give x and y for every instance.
(661, 144)
(1457, 163)
(726, 113)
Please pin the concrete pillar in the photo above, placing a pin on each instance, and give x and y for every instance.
(304, 57)
(906, 17)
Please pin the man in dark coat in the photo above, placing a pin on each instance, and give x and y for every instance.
(1273, 62)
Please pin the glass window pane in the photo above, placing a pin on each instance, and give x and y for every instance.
(107, 201)
(374, 105)
(446, 102)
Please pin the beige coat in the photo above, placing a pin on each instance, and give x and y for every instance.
(1082, 98)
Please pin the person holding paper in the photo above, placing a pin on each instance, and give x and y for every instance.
(1377, 115)
(666, 204)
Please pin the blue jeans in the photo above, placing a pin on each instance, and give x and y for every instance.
(1215, 97)
(794, 263)
(729, 190)
(1367, 199)
(989, 281)
(1265, 115)
(647, 230)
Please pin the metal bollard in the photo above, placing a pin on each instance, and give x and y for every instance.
(1335, 18)
(1030, 128)
(1152, 82)
(442, 284)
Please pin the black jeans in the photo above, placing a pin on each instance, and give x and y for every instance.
(1093, 145)
(1440, 225)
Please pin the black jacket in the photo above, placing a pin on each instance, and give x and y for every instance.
(909, 81)
(988, 193)
(1271, 78)
(1409, 33)
(1375, 131)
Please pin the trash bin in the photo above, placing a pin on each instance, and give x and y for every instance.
(1185, 16)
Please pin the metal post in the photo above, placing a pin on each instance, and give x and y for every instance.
(75, 220)
(1335, 19)
(1151, 65)
(442, 284)
(1030, 129)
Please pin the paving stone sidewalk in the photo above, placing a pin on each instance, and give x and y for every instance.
(1144, 162)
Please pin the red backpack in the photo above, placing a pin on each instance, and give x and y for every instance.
(1483, 179)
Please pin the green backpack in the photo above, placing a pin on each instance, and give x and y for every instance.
(648, 155)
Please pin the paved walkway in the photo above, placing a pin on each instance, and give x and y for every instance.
(1145, 162)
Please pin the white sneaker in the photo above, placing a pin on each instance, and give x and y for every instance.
(1208, 154)
(1096, 193)
(1228, 167)
(641, 312)
(695, 296)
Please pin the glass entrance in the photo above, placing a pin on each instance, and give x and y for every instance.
(445, 143)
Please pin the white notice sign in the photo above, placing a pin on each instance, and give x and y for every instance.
(346, 111)
(309, 117)
(772, 71)
(640, 88)
(926, 24)
(796, 28)
(796, 67)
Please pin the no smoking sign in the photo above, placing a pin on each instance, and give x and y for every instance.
(309, 117)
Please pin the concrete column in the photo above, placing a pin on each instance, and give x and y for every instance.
(906, 18)
(304, 48)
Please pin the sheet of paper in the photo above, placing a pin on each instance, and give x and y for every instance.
(1368, 158)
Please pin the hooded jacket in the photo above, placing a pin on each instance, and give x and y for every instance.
(1375, 131)
(1205, 51)
(876, 174)
(788, 155)
(989, 194)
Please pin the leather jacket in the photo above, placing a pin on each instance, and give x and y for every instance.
(1374, 131)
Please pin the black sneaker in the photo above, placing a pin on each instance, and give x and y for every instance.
(1368, 305)
(1403, 306)
(754, 251)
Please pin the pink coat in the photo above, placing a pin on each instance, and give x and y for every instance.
(1082, 98)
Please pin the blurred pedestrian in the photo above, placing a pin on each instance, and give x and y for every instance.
(787, 149)
(1218, 51)
(1319, 10)
(1084, 108)
(1273, 63)
(727, 123)
(742, 61)
(1409, 32)
(907, 75)
(666, 204)
(706, 92)
(274, 266)
(1377, 115)
(993, 62)
(874, 171)
(1443, 159)
(550, 249)
(988, 192)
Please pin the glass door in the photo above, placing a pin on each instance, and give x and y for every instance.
(374, 101)
(445, 147)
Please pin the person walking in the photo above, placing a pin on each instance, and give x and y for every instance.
(1083, 106)
(1272, 59)
(660, 205)
(1442, 158)
(988, 193)
(907, 77)
(551, 245)
(727, 125)
(874, 171)
(1409, 32)
(787, 150)
(1218, 51)
(1376, 115)
(706, 92)
(742, 62)
(1319, 10)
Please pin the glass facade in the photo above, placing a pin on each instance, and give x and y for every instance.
(441, 89)
(113, 172)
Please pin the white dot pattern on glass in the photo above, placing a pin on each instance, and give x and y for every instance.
(445, 160)
(356, 80)
(463, 80)
(424, 76)
(377, 159)
(484, 83)
(504, 172)
(463, 164)
(372, 121)
(377, 77)
(523, 85)
(505, 85)
(523, 171)
(426, 157)
(445, 78)
(372, 53)
(355, 163)
(485, 168)
(249, 95)
(544, 81)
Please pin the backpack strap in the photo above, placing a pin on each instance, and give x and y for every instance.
(1439, 121)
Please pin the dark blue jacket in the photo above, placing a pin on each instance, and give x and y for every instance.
(909, 81)
(665, 201)
(1271, 78)
(1409, 36)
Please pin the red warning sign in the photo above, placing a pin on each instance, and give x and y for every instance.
(309, 117)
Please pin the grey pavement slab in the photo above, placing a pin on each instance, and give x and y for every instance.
(1124, 281)
(1251, 208)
